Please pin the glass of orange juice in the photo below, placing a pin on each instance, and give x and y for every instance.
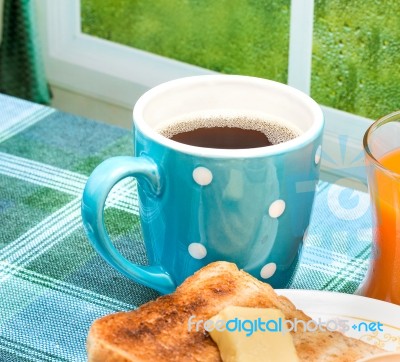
(382, 153)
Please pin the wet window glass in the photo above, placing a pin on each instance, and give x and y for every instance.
(248, 37)
(356, 56)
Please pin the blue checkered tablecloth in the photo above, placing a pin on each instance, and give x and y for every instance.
(53, 284)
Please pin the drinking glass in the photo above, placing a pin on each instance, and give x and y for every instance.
(382, 153)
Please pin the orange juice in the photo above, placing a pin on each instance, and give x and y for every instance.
(383, 281)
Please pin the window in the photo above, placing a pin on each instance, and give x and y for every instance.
(201, 33)
(356, 56)
(344, 53)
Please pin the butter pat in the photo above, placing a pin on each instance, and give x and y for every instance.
(252, 334)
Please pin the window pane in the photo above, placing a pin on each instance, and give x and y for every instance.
(248, 37)
(356, 56)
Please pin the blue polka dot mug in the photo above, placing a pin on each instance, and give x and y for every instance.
(197, 204)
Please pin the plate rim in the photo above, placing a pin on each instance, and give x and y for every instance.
(344, 304)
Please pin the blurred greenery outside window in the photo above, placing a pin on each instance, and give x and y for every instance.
(356, 44)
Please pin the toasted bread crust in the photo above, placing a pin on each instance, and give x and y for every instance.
(159, 330)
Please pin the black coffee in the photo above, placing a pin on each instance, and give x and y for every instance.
(229, 133)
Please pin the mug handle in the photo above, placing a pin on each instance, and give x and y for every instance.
(97, 188)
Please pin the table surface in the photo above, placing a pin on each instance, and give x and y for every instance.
(52, 282)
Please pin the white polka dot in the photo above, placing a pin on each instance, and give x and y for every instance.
(277, 208)
(268, 270)
(202, 176)
(197, 250)
(318, 155)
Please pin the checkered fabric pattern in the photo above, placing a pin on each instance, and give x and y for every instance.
(52, 282)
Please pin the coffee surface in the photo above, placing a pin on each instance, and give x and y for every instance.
(229, 133)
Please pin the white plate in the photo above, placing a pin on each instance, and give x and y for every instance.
(354, 310)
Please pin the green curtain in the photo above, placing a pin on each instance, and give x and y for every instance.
(21, 67)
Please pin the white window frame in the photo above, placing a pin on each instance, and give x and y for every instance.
(119, 74)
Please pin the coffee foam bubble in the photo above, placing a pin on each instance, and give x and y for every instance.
(277, 131)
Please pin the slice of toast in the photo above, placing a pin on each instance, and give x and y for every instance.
(159, 330)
